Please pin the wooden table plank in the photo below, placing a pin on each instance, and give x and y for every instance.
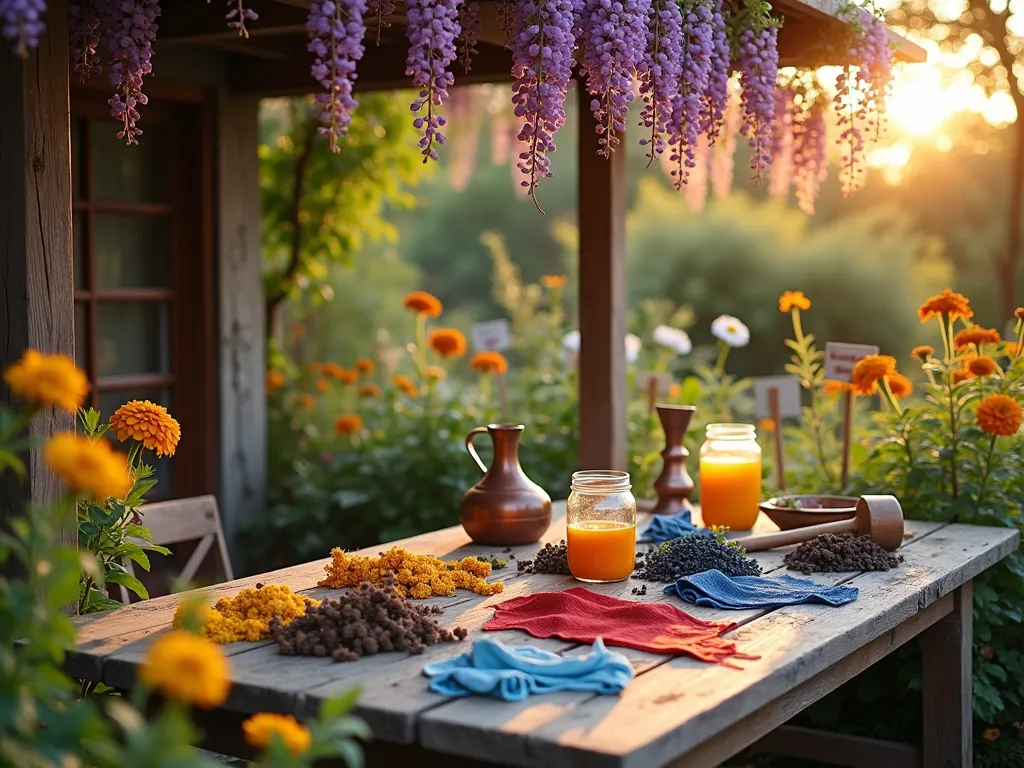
(678, 705)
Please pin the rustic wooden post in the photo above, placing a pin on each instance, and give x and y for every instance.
(603, 301)
(36, 267)
(948, 711)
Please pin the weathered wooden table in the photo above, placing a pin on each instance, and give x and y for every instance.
(677, 711)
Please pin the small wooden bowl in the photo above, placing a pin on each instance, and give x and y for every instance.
(799, 511)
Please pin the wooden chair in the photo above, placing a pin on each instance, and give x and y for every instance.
(179, 520)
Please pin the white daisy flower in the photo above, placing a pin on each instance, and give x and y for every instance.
(571, 341)
(673, 338)
(730, 330)
(633, 347)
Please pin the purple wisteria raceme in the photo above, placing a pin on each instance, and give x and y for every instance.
(131, 30)
(238, 14)
(614, 40)
(716, 96)
(336, 29)
(782, 142)
(433, 27)
(377, 10)
(542, 45)
(757, 60)
(698, 50)
(84, 25)
(810, 154)
(722, 164)
(659, 74)
(22, 22)
(469, 22)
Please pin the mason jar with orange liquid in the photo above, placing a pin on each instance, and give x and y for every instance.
(730, 476)
(600, 519)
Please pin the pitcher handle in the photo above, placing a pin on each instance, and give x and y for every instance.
(472, 451)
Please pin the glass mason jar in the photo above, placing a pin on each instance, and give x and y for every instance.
(600, 519)
(730, 476)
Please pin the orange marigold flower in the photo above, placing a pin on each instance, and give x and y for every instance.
(89, 466)
(791, 299)
(923, 352)
(48, 381)
(448, 342)
(870, 370)
(322, 385)
(553, 281)
(1000, 415)
(833, 387)
(149, 424)
(307, 401)
(675, 390)
(262, 728)
(976, 335)
(899, 385)
(369, 390)
(333, 370)
(406, 384)
(275, 380)
(956, 305)
(960, 376)
(348, 376)
(423, 303)
(981, 366)
(435, 372)
(189, 668)
(366, 366)
(489, 362)
(991, 734)
(348, 423)
(766, 425)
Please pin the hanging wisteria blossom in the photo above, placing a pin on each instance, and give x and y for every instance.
(336, 31)
(659, 74)
(378, 10)
(614, 41)
(131, 32)
(22, 21)
(469, 23)
(238, 14)
(433, 27)
(84, 26)
(542, 45)
(810, 153)
(782, 142)
(756, 58)
(716, 96)
(694, 81)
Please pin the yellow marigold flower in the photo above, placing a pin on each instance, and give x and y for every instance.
(489, 362)
(149, 424)
(275, 380)
(870, 370)
(435, 373)
(423, 303)
(553, 281)
(333, 370)
(188, 668)
(88, 466)
(981, 366)
(348, 423)
(976, 335)
(833, 388)
(766, 425)
(923, 352)
(321, 385)
(1000, 415)
(791, 299)
(260, 729)
(899, 385)
(348, 376)
(406, 384)
(448, 342)
(365, 366)
(307, 401)
(991, 734)
(956, 305)
(417, 576)
(369, 390)
(48, 381)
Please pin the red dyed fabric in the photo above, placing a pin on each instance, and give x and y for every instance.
(581, 615)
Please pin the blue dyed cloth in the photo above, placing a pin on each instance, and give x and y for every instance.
(667, 527)
(716, 590)
(496, 670)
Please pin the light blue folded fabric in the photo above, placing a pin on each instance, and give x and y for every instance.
(493, 669)
(716, 590)
(667, 527)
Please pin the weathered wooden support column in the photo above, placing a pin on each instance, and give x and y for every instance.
(36, 264)
(603, 301)
(946, 684)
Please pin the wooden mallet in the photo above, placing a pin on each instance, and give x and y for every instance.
(879, 517)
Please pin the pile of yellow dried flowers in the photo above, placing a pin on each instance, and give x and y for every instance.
(247, 615)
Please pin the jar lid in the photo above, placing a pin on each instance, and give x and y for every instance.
(730, 432)
(600, 481)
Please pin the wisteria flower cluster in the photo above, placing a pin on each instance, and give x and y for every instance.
(716, 97)
(22, 21)
(756, 58)
(378, 11)
(433, 27)
(469, 22)
(84, 36)
(238, 14)
(694, 82)
(336, 29)
(659, 73)
(130, 47)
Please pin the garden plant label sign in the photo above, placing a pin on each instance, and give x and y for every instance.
(788, 388)
(493, 335)
(840, 359)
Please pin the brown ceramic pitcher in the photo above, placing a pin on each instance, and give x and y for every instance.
(505, 507)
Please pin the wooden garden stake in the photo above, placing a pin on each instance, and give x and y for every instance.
(847, 429)
(652, 394)
(503, 394)
(776, 411)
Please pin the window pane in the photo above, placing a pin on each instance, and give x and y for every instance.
(132, 338)
(110, 402)
(78, 225)
(131, 251)
(77, 174)
(82, 335)
(122, 174)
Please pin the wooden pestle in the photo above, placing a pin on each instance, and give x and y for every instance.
(879, 517)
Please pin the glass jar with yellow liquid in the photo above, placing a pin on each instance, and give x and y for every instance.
(600, 519)
(730, 476)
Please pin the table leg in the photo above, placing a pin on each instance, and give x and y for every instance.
(948, 715)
